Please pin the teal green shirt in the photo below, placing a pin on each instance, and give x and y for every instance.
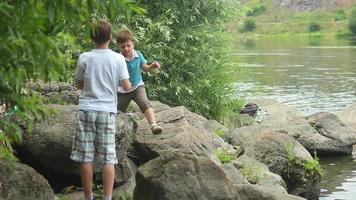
(134, 68)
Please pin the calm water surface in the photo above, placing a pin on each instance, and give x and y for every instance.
(312, 75)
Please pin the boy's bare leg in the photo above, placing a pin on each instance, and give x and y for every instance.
(108, 171)
(86, 173)
(150, 115)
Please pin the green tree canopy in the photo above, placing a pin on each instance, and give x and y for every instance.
(189, 39)
(29, 50)
(41, 39)
(352, 21)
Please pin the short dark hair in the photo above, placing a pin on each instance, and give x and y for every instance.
(124, 36)
(101, 31)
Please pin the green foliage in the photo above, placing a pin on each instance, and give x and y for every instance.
(252, 171)
(312, 168)
(29, 35)
(42, 39)
(352, 21)
(249, 25)
(256, 11)
(61, 197)
(283, 20)
(315, 126)
(339, 15)
(314, 27)
(224, 156)
(231, 117)
(219, 132)
(187, 38)
(98, 189)
(342, 34)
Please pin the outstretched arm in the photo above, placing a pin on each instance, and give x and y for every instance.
(126, 84)
(154, 65)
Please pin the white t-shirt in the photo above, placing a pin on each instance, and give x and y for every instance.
(101, 70)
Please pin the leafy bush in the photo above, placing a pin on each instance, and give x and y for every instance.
(219, 132)
(42, 40)
(339, 15)
(352, 21)
(252, 171)
(311, 168)
(249, 25)
(224, 156)
(189, 41)
(256, 11)
(29, 51)
(314, 27)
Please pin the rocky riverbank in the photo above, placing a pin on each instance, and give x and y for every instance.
(268, 160)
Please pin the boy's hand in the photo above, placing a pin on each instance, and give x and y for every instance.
(156, 65)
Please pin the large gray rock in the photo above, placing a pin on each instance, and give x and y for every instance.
(56, 92)
(258, 173)
(50, 142)
(255, 192)
(275, 149)
(348, 116)
(329, 126)
(187, 135)
(183, 133)
(19, 181)
(280, 114)
(288, 120)
(178, 176)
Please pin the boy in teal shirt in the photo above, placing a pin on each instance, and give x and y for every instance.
(135, 63)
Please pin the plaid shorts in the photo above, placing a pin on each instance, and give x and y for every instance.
(94, 139)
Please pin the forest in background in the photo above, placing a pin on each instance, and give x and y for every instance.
(42, 39)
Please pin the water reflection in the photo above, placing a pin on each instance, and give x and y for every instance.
(339, 180)
(352, 42)
(314, 74)
(311, 75)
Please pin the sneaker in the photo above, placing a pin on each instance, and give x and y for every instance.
(156, 129)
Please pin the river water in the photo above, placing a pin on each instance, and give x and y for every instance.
(312, 75)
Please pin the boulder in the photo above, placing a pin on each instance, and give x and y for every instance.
(50, 142)
(19, 181)
(348, 116)
(56, 92)
(258, 173)
(178, 176)
(340, 137)
(249, 192)
(288, 120)
(186, 137)
(275, 149)
(189, 177)
(183, 132)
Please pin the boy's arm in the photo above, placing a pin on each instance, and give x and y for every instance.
(79, 74)
(146, 68)
(126, 84)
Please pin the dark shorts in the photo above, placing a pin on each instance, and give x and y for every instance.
(138, 95)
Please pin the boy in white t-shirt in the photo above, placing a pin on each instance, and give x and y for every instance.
(99, 73)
